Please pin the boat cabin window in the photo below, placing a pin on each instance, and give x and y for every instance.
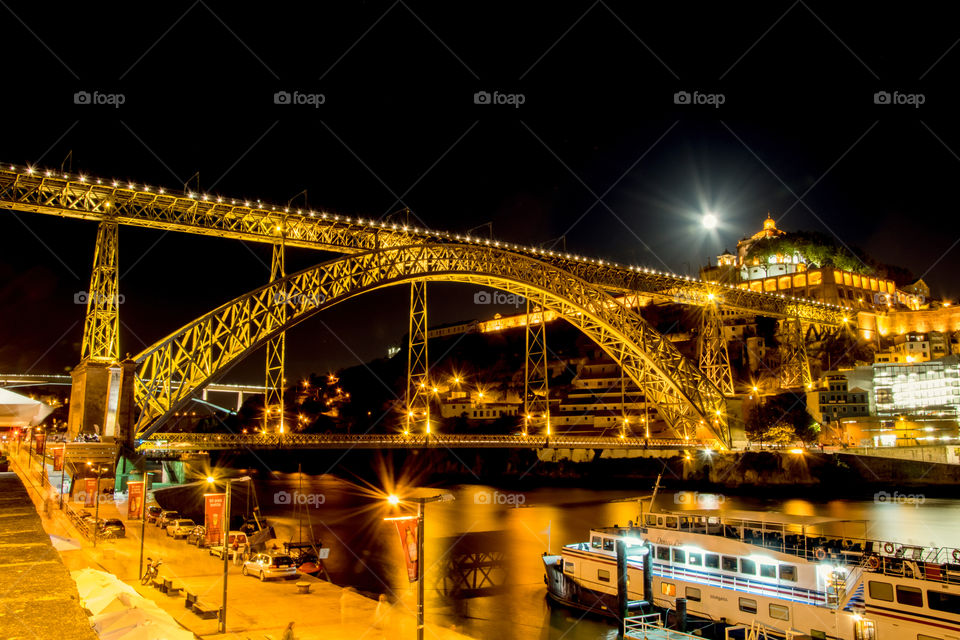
(949, 602)
(595, 542)
(748, 606)
(921, 636)
(603, 575)
(788, 572)
(711, 560)
(663, 553)
(768, 571)
(729, 563)
(693, 594)
(668, 589)
(569, 567)
(679, 555)
(695, 559)
(779, 612)
(880, 590)
(748, 567)
(608, 544)
(650, 520)
(672, 522)
(910, 595)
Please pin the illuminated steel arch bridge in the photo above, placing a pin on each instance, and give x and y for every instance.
(134, 398)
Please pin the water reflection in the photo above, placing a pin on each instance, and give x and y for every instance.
(484, 573)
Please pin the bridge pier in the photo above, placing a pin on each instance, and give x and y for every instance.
(101, 400)
(536, 388)
(276, 353)
(419, 388)
(794, 366)
(714, 357)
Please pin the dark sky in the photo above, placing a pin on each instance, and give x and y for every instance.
(598, 151)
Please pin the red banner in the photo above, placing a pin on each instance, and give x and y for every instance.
(213, 517)
(58, 458)
(407, 528)
(89, 491)
(134, 500)
(41, 439)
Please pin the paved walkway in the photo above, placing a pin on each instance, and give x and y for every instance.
(256, 610)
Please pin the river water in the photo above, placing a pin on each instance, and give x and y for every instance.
(514, 529)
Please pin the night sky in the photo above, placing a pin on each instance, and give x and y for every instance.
(599, 152)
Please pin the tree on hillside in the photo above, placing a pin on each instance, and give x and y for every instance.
(780, 420)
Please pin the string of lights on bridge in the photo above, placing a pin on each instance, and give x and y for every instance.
(416, 230)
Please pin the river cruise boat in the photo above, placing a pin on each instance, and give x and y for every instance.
(799, 576)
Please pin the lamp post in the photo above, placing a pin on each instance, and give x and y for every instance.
(226, 552)
(96, 514)
(420, 502)
(143, 518)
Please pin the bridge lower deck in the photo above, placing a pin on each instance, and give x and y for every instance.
(171, 443)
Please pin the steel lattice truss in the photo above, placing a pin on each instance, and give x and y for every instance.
(419, 388)
(175, 443)
(174, 369)
(714, 357)
(794, 365)
(536, 388)
(273, 417)
(22, 190)
(101, 335)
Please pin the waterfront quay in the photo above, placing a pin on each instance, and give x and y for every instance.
(256, 610)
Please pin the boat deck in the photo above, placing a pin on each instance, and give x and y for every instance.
(650, 627)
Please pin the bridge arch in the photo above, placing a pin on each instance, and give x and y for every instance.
(171, 371)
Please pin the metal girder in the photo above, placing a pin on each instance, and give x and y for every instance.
(419, 388)
(101, 329)
(174, 369)
(714, 357)
(173, 443)
(536, 387)
(273, 418)
(794, 365)
(91, 199)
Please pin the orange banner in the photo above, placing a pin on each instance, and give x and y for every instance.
(407, 528)
(89, 491)
(58, 458)
(213, 517)
(40, 441)
(135, 500)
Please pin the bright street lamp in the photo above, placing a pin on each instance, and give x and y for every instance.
(395, 500)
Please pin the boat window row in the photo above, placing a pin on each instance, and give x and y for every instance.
(732, 564)
(913, 596)
(747, 605)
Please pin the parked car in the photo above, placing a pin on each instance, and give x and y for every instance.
(113, 527)
(166, 517)
(270, 565)
(180, 528)
(238, 538)
(197, 536)
(153, 512)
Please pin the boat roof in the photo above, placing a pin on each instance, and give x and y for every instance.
(761, 516)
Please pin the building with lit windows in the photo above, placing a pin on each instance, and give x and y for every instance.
(834, 401)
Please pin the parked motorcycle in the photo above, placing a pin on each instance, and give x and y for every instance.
(153, 569)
